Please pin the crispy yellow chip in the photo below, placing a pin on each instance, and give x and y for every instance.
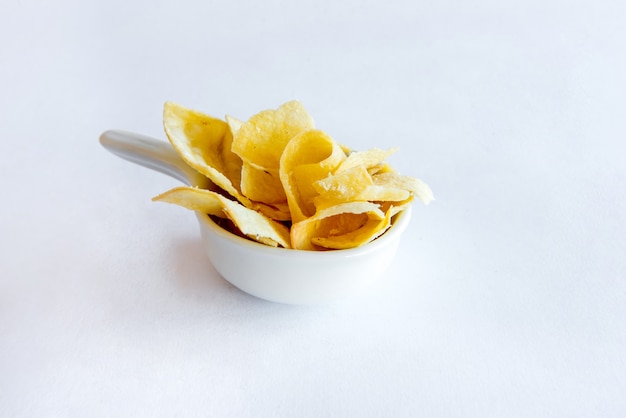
(372, 229)
(307, 158)
(260, 140)
(393, 208)
(251, 223)
(234, 124)
(276, 211)
(369, 231)
(344, 185)
(337, 223)
(355, 184)
(279, 168)
(377, 193)
(415, 186)
(192, 198)
(380, 168)
(257, 226)
(262, 185)
(367, 159)
(204, 143)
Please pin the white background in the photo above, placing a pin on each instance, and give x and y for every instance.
(508, 295)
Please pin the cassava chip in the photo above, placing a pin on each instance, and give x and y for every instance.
(335, 222)
(378, 193)
(379, 168)
(251, 223)
(393, 208)
(355, 184)
(369, 231)
(307, 158)
(275, 211)
(260, 140)
(262, 185)
(234, 124)
(367, 159)
(344, 185)
(294, 185)
(204, 143)
(416, 186)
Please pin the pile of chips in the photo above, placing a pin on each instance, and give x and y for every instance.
(282, 182)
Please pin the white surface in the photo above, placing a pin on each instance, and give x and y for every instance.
(508, 297)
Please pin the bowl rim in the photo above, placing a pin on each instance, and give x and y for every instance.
(399, 223)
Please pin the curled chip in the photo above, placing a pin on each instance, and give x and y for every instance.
(368, 159)
(262, 185)
(204, 142)
(260, 140)
(345, 185)
(356, 184)
(277, 211)
(281, 182)
(251, 223)
(307, 158)
(345, 225)
(376, 193)
(234, 124)
(415, 186)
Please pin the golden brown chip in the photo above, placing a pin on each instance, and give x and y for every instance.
(415, 186)
(380, 168)
(372, 229)
(257, 226)
(281, 169)
(276, 211)
(369, 231)
(234, 124)
(367, 159)
(335, 222)
(379, 193)
(344, 185)
(355, 184)
(307, 158)
(262, 185)
(251, 223)
(260, 140)
(204, 143)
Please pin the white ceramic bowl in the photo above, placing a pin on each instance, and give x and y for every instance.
(294, 276)
(275, 274)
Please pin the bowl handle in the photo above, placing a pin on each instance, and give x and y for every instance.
(151, 153)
